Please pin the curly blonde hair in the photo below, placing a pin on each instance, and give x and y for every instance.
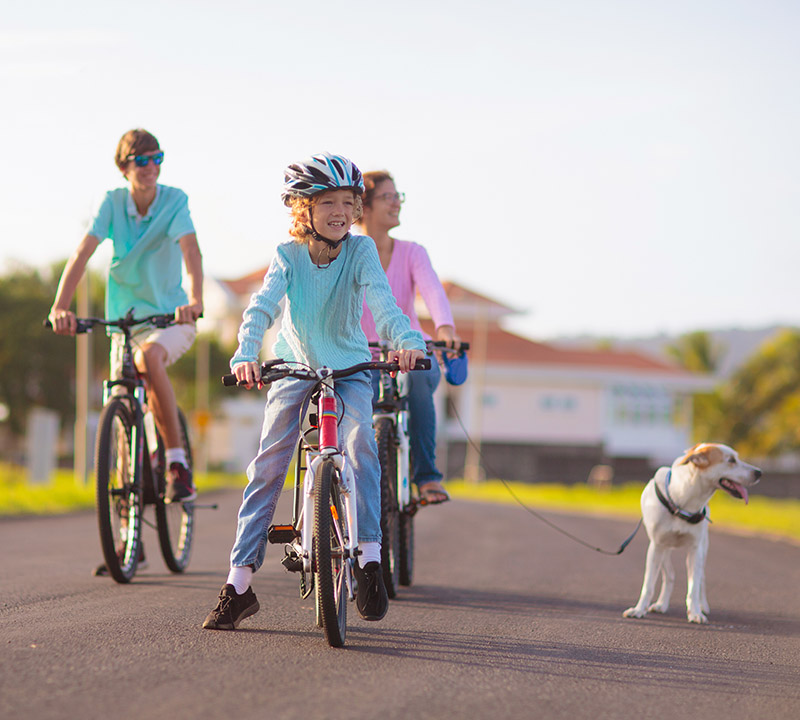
(300, 213)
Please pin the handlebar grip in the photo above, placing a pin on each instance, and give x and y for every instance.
(229, 380)
(83, 325)
(424, 364)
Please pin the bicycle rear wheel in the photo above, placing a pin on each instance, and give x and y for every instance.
(390, 513)
(407, 541)
(175, 520)
(118, 494)
(406, 548)
(329, 553)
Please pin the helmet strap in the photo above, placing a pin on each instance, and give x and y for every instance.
(332, 244)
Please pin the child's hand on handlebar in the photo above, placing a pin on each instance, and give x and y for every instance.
(188, 313)
(63, 322)
(249, 374)
(406, 359)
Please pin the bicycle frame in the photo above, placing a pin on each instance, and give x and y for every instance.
(328, 448)
(143, 432)
(392, 404)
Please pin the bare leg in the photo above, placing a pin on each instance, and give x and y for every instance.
(150, 361)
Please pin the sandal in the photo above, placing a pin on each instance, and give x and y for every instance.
(433, 493)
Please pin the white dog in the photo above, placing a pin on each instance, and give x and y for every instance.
(675, 514)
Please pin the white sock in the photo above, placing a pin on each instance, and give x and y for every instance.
(177, 455)
(370, 552)
(240, 578)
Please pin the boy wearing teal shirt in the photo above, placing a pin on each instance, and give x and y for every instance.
(152, 232)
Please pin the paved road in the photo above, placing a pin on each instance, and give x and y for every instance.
(506, 619)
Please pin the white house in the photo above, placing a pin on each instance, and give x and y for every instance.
(543, 413)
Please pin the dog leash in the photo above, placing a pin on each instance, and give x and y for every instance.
(578, 540)
(533, 512)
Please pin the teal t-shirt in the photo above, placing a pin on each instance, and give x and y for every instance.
(147, 263)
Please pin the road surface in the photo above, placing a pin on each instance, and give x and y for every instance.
(506, 619)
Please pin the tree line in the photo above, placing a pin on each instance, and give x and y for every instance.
(756, 409)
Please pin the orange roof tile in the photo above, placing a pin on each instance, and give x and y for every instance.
(505, 348)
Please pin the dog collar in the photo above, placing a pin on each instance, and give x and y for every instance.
(673, 509)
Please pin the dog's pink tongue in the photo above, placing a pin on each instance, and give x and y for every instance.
(745, 494)
(729, 485)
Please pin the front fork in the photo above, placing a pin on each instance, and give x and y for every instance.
(399, 420)
(329, 449)
(347, 487)
(403, 464)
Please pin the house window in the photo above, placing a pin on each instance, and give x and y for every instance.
(643, 405)
(558, 403)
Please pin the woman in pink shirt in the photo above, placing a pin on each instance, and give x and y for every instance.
(409, 271)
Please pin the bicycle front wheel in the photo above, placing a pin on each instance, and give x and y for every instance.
(118, 494)
(390, 513)
(329, 553)
(175, 520)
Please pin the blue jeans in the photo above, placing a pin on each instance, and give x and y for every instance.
(421, 421)
(279, 437)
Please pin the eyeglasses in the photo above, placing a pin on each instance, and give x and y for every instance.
(392, 197)
(144, 160)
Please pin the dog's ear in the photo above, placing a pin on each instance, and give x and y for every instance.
(688, 456)
(701, 455)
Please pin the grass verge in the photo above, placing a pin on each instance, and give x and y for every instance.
(767, 516)
(63, 494)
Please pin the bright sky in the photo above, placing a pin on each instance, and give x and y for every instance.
(606, 166)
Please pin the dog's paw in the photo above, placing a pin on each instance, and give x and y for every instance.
(634, 612)
(658, 608)
(696, 617)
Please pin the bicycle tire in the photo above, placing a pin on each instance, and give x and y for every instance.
(118, 496)
(390, 513)
(175, 521)
(406, 548)
(328, 547)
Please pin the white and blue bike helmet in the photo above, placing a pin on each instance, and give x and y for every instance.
(318, 173)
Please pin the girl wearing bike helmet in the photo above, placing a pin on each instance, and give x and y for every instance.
(409, 271)
(324, 273)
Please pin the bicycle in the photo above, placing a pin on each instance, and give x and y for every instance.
(322, 541)
(398, 503)
(129, 474)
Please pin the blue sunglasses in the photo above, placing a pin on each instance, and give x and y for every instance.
(143, 160)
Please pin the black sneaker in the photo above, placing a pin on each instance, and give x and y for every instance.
(102, 569)
(231, 609)
(372, 600)
(179, 484)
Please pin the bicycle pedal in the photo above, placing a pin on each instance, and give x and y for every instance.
(282, 534)
(292, 561)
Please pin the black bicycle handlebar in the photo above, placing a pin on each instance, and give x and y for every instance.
(270, 373)
(461, 347)
(84, 325)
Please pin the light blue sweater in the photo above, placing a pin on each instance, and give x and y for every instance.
(322, 322)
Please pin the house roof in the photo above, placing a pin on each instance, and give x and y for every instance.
(247, 284)
(505, 348)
